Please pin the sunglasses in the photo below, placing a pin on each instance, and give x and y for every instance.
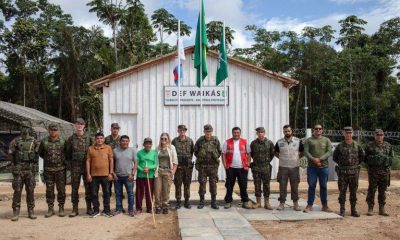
(317, 128)
(379, 134)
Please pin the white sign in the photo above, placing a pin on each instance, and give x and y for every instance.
(192, 95)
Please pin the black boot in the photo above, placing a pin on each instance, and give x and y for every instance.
(31, 214)
(214, 202)
(354, 212)
(382, 210)
(342, 210)
(75, 211)
(15, 215)
(61, 211)
(89, 210)
(178, 204)
(187, 204)
(50, 212)
(370, 210)
(201, 203)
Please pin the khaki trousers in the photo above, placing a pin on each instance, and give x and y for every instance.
(162, 186)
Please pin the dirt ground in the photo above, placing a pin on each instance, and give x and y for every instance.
(84, 227)
(364, 227)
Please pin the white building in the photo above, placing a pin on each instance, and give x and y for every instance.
(139, 99)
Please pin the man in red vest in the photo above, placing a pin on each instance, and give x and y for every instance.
(236, 159)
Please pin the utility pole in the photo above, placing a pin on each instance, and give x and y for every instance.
(305, 108)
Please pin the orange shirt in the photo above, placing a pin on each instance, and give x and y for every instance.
(100, 157)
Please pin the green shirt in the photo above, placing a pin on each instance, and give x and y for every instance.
(318, 147)
(146, 159)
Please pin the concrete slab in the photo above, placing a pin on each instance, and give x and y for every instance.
(231, 222)
(236, 231)
(204, 238)
(245, 237)
(200, 232)
(196, 223)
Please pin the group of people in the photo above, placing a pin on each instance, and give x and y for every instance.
(107, 160)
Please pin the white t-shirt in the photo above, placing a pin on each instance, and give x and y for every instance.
(237, 159)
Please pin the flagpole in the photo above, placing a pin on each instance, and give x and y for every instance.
(179, 73)
(201, 66)
(225, 99)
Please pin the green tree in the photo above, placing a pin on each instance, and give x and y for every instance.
(214, 32)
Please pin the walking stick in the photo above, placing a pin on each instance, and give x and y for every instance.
(151, 197)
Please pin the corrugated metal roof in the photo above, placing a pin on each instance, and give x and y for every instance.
(98, 83)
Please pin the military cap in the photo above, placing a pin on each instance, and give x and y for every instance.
(182, 127)
(53, 126)
(260, 129)
(379, 131)
(348, 129)
(147, 140)
(80, 121)
(208, 127)
(115, 125)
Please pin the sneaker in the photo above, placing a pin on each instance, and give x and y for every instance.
(107, 214)
(138, 211)
(228, 205)
(95, 214)
(158, 210)
(116, 212)
(308, 209)
(131, 214)
(281, 207)
(326, 209)
(165, 211)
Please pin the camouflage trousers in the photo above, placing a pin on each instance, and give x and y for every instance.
(349, 180)
(55, 179)
(22, 178)
(76, 175)
(183, 175)
(210, 172)
(263, 178)
(377, 179)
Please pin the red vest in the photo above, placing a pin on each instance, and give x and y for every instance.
(230, 149)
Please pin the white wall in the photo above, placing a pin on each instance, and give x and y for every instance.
(254, 100)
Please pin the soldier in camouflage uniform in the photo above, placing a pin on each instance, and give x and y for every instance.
(23, 151)
(184, 147)
(207, 151)
(76, 147)
(378, 157)
(52, 150)
(348, 155)
(113, 141)
(262, 152)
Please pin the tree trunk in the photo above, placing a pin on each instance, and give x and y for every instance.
(297, 104)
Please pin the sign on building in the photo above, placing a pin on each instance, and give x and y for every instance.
(192, 95)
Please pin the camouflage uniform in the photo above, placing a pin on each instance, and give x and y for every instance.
(113, 143)
(183, 174)
(262, 153)
(207, 153)
(76, 147)
(378, 159)
(53, 154)
(348, 157)
(24, 166)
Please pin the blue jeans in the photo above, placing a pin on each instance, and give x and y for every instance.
(313, 175)
(118, 184)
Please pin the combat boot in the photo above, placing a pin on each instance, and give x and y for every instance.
(75, 211)
(187, 204)
(296, 206)
(201, 203)
(89, 210)
(31, 214)
(214, 202)
(61, 211)
(178, 204)
(370, 210)
(354, 212)
(382, 210)
(50, 212)
(258, 203)
(281, 206)
(342, 210)
(15, 215)
(266, 204)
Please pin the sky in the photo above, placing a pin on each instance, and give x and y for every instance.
(278, 15)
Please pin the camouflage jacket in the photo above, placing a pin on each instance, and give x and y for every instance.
(207, 152)
(262, 153)
(379, 155)
(76, 150)
(348, 155)
(24, 153)
(113, 143)
(53, 154)
(184, 149)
